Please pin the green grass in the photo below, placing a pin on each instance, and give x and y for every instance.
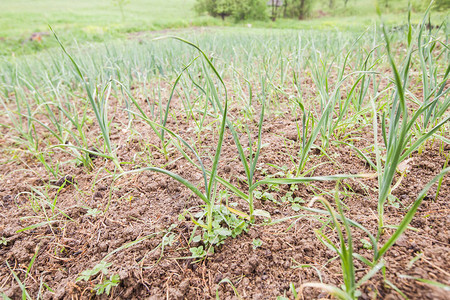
(97, 21)
(24, 16)
(85, 20)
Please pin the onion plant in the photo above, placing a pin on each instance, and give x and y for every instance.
(345, 248)
(159, 131)
(398, 147)
(249, 163)
(25, 123)
(209, 178)
(397, 137)
(345, 252)
(322, 124)
(99, 104)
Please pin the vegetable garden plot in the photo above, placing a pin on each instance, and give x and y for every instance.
(260, 166)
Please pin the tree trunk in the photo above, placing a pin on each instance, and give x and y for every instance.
(301, 16)
(274, 17)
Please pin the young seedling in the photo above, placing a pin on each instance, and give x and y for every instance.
(397, 139)
(210, 183)
(346, 251)
(256, 243)
(3, 241)
(99, 105)
(105, 284)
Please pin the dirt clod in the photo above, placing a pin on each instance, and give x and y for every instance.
(66, 180)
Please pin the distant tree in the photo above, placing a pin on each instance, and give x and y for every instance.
(302, 8)
(121, 4)
(209, 7)
(224, 8)
(298, 9)
(250, 10)
(331, 4)
(442, 5)
(387, 2)
(238, 9)
(275, 4)
(215, 8)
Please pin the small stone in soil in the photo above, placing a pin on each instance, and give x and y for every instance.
(293, 136)
(98, 195)
(218, 278)
(68, 180)
(7, 198)
(91, 155)
(276, 246)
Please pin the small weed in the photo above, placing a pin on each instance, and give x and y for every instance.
(225, 224)
(257, 243)
(366, 244)
(266, 196)
(100, 267)
(105, 285)
(197, 252)
(3, 241)
(393, 201)
(93, 212)
(289, 198)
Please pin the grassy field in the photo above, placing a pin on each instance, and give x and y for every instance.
(227, 163)
(97, 21)
(88, 20)
(22, 16)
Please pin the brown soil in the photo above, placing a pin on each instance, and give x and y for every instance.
(147, 205)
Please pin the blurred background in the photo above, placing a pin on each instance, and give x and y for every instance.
(24, 23)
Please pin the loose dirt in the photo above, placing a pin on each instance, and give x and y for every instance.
(145, 208)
